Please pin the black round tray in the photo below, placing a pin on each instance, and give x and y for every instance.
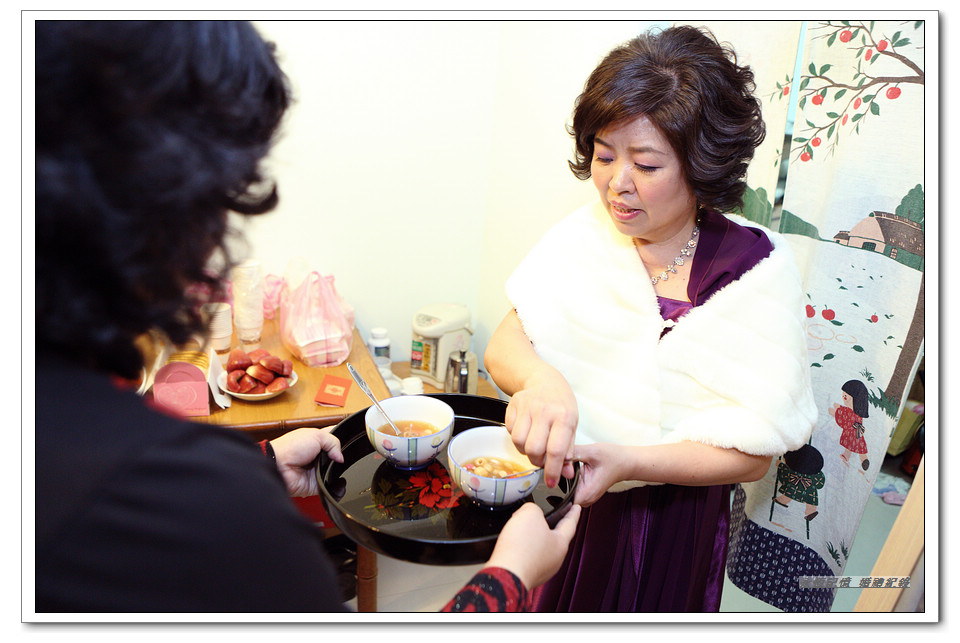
(410, 515)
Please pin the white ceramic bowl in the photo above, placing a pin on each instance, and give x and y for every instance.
(410, 453)
(491, 442)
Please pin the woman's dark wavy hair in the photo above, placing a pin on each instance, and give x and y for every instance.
(692, 89)
(147, 134)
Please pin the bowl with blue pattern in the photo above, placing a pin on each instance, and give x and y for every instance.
(425, 425)
(486, 466)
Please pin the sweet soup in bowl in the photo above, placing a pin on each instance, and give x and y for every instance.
(408, 428)
(487, 467)
(425, 424)
(496, 467)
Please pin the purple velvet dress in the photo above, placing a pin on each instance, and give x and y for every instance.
(660, 548)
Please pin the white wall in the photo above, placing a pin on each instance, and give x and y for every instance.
(421, 160)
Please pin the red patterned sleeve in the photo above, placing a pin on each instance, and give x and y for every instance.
(492, 589)
(267, 449)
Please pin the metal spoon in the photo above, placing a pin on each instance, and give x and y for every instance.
(523, 473)
(366, 389)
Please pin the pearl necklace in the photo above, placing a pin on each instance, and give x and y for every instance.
(679, 261)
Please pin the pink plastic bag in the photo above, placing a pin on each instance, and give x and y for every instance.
(315, 324)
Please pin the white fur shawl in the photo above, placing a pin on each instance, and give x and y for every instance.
(733, 372)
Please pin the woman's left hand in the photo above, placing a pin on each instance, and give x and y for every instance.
(601, 466)
(296, 451)
(685, 463)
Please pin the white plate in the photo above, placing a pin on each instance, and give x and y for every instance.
(222, 383)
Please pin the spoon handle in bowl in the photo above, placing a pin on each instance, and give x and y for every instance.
(362, 383)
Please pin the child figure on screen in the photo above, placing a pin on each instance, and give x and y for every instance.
(849, 416)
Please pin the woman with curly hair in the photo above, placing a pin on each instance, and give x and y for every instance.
(655, 337)
(147, 134)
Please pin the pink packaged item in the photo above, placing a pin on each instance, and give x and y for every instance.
(315, 324)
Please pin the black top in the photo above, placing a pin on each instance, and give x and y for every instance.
(140, 512)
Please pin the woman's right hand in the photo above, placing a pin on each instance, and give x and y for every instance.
(542, 415)
(529, 548)
(542, 420)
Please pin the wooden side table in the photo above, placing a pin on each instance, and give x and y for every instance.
(296, 407)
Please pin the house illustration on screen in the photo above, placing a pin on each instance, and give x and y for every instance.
(889, 234)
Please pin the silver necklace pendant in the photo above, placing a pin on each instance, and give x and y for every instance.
(685, 252)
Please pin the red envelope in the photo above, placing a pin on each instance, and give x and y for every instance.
(333, 391)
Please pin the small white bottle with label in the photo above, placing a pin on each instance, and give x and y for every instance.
(379, 346)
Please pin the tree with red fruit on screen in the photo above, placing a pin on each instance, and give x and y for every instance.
(879, 73)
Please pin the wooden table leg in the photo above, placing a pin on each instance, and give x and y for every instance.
(366, 580)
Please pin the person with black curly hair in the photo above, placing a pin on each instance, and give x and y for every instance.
(147, 135)
(656, 337)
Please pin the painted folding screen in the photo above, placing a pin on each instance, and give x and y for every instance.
(853, 212)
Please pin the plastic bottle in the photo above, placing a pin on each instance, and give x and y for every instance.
(379, 343)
